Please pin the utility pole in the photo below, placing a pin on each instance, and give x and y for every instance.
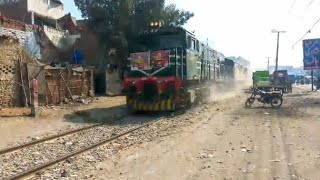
(277, 53)
(268, 63)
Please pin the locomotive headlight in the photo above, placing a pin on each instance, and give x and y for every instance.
(152, 24)
(133, 82)
(159, 81)
(156, 23)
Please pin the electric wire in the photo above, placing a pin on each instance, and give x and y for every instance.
(309, 31)
(310, 2)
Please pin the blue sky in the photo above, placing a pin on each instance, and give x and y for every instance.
(70, 7)
(243, 28)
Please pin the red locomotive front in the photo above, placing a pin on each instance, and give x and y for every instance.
(151, 84)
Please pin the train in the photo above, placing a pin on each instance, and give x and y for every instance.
(169, 68)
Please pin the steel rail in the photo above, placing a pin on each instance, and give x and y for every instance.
(55, 161)
(27, 144)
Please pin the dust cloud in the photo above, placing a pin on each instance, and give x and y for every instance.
(228, 89)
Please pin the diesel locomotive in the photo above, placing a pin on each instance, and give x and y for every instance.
(169, 68)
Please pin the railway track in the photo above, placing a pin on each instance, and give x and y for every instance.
(57, 160)
(28, 144)
(23, 149)
(40, 155)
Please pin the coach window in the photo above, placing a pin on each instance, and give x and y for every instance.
(189, 42)
(193, 44)
(197, 46)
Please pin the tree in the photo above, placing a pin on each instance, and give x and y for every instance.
(115, 22)
(176, 17)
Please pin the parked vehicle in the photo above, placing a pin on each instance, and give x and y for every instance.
(261, 80)
(273, 98)
(280, 80)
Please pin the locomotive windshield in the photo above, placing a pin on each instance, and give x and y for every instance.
(167, 42)
(156, 42)
(151, 53)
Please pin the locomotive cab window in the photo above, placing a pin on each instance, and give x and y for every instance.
(189, 42)
(193, 44)
(197, 46)
(167, 42)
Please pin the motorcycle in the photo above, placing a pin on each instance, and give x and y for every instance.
(273, 98)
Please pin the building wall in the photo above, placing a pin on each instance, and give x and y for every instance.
(93, 53)
(32, 38)
(46, 8)
(60, 39)
(27, 40)
(11, 93)
(49, 53)
(60, 82)
(54, 35)
(17, 11)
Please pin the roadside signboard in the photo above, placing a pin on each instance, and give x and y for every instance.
(311, 54)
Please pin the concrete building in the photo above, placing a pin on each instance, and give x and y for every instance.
(37, 12)
(43, 25)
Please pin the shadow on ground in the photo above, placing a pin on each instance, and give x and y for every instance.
(117, 115)
(97, 115)
(247, 91)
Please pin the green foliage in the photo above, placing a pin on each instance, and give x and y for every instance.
(116, 22)
(176, 17)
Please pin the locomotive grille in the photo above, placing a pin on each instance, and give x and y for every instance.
(150, 91)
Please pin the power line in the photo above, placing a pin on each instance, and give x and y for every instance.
(310, 2)
(309, 31)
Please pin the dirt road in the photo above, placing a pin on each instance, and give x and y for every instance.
(228, 141)
(219, 140)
